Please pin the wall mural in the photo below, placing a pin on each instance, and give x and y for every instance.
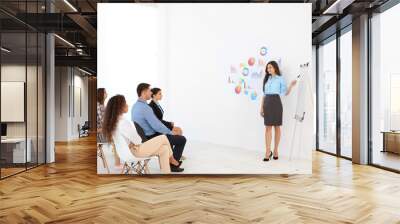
(246, 77)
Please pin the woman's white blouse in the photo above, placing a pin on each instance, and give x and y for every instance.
(127, 129)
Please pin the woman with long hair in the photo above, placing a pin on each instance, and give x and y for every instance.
(117, 128)
(101, 97)
(274, 86)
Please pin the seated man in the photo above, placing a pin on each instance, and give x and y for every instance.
(143, 115)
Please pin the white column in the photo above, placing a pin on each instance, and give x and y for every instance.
(50, 99)
(50, 92)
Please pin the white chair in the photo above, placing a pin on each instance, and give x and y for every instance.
(101, 155)
(139, 165)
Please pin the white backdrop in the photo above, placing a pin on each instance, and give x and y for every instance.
(130, 47)
(187, 50)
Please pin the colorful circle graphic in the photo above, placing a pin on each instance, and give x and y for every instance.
(238, 89)
(253, 96)
(245, 71)
(251, 61)
(263, 51)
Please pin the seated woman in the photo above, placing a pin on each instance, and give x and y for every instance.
(101, 97)
(156, 96)
(117, 128)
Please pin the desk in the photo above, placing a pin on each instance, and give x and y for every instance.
(13, 150)
(391, 141)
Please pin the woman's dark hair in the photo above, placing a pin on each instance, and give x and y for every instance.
(101, 95)
(267, 75)
(155, 91)
(113, 111)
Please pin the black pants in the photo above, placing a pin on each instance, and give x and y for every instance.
(177, 142)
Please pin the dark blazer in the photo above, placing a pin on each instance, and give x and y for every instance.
(158, 111)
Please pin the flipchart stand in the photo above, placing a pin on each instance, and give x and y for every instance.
(304, 87)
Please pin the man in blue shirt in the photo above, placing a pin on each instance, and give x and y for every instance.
(144, 116)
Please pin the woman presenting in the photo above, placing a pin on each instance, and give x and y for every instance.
(274, 86)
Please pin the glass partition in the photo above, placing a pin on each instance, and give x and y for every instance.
(14, 153)
(22, 63)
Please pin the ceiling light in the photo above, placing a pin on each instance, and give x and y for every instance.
(79, 51)
(65, 41)
(70, 5)
(337, 7)
(84, 71)
(5, 50)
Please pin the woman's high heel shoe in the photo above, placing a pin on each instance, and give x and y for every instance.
(269, 157)
(275, 157)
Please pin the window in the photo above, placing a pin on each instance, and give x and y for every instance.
(394, 102)
(385, 89)
(346, 94)
(327, 97)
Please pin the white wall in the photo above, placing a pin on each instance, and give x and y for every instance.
(61, 103)
(17, 73)
(81, 104)
(192, 59)
(33, 127)
(203, 44)
(131, 48)
(68, 83)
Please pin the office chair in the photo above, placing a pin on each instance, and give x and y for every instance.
(84, 130)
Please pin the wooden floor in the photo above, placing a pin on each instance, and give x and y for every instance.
(70, 191)
(5, 172)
